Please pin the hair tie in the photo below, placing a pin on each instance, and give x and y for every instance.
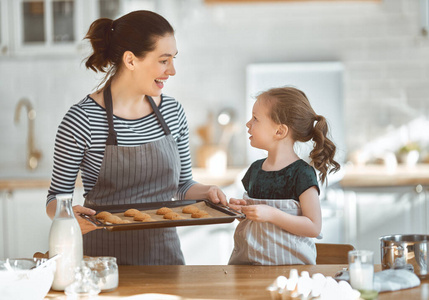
(317, 118)
(111, 26)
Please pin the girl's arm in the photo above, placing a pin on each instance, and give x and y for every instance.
(309, 224)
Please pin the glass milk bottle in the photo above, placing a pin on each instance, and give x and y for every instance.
(65, 239)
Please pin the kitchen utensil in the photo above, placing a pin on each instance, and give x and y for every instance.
(405, 252)
(41, 263)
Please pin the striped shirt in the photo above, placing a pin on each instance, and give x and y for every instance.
(81, 140)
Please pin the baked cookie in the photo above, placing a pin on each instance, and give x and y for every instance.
(190, 209)
(131, 212)
(113, 219)
(141, 216)
(148, 220)
(102, 215)
(200, 214)
(170, 215)
(163, 211)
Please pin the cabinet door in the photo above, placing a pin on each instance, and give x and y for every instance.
(49, 26)
(3, 214)
(207, 244)
(27, 224)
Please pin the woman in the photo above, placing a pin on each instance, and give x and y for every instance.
(130, 142)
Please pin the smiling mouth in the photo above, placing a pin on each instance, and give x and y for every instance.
(160, 82)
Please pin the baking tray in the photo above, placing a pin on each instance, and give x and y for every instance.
(218, 214)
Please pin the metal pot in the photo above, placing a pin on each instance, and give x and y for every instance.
(406, 252)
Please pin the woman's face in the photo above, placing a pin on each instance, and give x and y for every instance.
(261, 128)
(153, 70)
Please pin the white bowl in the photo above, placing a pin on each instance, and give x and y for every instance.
(19, 281)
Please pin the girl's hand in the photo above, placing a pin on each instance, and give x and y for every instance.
(237, 203)
(259, 213)
(216, 195)
(85, 226)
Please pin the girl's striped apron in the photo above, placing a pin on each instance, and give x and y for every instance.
(263, 243)
(146, 173)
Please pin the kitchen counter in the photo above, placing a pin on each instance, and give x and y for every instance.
(363, 176)
(36, 181)
(43, 181)
(381, 176)
(221, 282)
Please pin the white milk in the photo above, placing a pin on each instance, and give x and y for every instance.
(65, 238)
(361, 276)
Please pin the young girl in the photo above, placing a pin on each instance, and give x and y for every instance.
(281, 202)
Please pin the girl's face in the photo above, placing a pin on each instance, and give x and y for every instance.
(262, 129)
(153, 70)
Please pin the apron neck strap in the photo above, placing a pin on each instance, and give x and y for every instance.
(111, 138)
(159, 116)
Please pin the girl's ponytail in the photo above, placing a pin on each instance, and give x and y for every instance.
(322, 155)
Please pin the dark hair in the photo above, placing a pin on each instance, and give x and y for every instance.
(137, 32)
(290, 106)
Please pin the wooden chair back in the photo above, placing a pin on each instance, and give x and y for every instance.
(332, 254)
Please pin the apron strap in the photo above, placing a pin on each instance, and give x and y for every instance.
(160, 117)
(111, 138)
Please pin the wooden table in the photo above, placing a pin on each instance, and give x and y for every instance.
(221, 282)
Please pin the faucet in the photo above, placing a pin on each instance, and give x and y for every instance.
(33, 155)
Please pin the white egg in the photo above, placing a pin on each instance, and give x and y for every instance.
(281, 282)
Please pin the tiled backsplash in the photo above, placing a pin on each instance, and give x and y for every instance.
(385, 58)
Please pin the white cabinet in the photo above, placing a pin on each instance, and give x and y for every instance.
(42, 27)
(207, 244)
(25, 223)
(25, 226)
(4, 37)
(374, 212)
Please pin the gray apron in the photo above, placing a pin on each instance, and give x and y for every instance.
(263, 243)
(146, 173)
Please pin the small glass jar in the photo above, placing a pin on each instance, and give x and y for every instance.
(105, 271)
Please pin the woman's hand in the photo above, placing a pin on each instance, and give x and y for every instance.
(259, 213)
(209, 192)
(237, 203)
(215, 195)
(85, 225)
